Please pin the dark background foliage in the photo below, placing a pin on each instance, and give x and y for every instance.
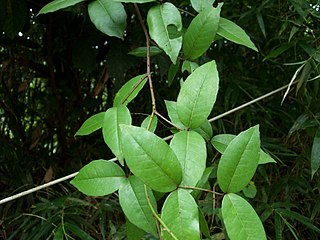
(57, 69)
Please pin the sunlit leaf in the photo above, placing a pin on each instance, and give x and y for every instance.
(190, 149)
(92, 124)
(231, 31)
(152, 125)
(99, 178)
(135, 206)
(315, 153)
(150, 159)
(240, 219)
(239, 161)
(198, 95)
(57, 5)
(111, 131)
(180, 214)
(130, 90)
(201, 32)
(108, 16)
(159, 19)
(200, 5)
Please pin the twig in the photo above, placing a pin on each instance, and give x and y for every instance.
(201, 189)
(166, 138)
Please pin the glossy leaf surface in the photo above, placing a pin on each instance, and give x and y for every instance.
(201, 32)
(150, 159)
(239, 161)
(190, 149)
(180, 214)
(134, 204)
(240, 219)
(108, 16)
(99, 178)
(111, 131)
(160, 18)
(221, 141)
(92, 124)
(57, 5)
(231, 31)
(198, 95)
(130, 90)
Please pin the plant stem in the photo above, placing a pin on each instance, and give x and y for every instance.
(201, 189)
(156, 215)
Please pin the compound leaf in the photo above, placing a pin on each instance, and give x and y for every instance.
(239, 161)
(150, 158)
(180, 214)
(135, 206)
(198, 95)
(99, 178)
(164, 22)
(240, 219)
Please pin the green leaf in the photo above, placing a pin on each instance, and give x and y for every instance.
(205, 130)
(111, 131)
(250, 190)
(203, 224)
(201, 32)
(239, 161)
(134, 1)
(142, 51)
(99, 178)
(133, 232)
(159, 18)
(198, 95)
(221, 141)
(315, 154)
(180, 214)
(202, 182)
(200, 5)
(130, 90)
(57, 5)
(189, 66)
(58, 233)
(190, 149)
(108, 16)
(231, 31)
(77, 231)
(173, 115)
(92, 124)
(150, 158)
(240, 219)
(152, 125)
(279, 50)
(135, 206)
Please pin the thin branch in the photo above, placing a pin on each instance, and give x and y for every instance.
(201, 189)
(166, 120)
(166, 138)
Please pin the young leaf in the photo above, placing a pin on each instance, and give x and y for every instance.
(133, 232)
(240, 219)
(92, 124)
(190, 149)
(198, 95)
(315, 154)
(150, 159)
(108, 16)
(130, 90)
(153, 124)
(221, 141)
(135, 206)
(159, 19)
(200, 5)
(239, 161)
(201, 32)
(142, 51)
(57, 5)
(111, 131)
(180, 214)
(99, 178)
(231, 31)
